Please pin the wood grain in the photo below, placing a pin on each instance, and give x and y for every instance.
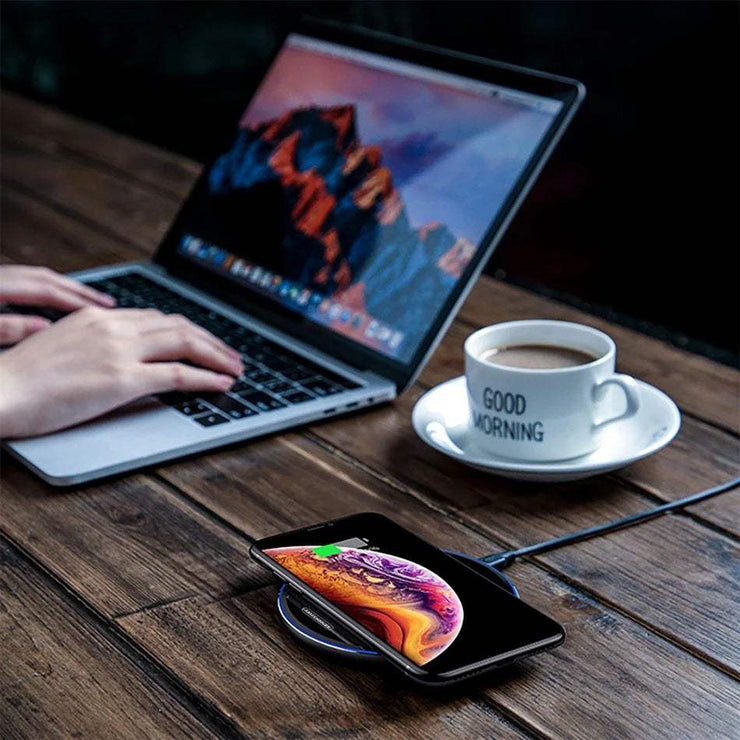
(59, 677)
(613, 678)
(47, 128)
(241, 659)
(34, 233)
(137, 215)
(124, 545)
(288, 482)
(700, 457)
(607, 681)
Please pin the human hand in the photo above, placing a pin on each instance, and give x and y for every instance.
(39, 286)
(95, 360)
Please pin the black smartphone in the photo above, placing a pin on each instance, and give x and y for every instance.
(430, 615)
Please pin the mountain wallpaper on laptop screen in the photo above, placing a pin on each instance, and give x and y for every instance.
(346, 231)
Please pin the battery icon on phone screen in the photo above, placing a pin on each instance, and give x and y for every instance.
(326, 551)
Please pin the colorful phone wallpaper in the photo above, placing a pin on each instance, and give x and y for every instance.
(384, 184)
(406, 605)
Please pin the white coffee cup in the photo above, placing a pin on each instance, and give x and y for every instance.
(545, 414)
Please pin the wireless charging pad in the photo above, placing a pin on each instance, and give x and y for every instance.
(311, 625)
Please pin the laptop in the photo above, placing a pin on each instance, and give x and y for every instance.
(330, 241)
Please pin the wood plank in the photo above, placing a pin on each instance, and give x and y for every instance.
(683, 588)
(608, 680)
(700, 457)
(286, 482)
(37, 234)
(606, 658)
(44, 127)
(383, 440)
(124, 545)
(237, 655)
(707, 389)
(59, 677)
(137, 215)
(724, 510)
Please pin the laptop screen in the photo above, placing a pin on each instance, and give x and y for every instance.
(358, 188)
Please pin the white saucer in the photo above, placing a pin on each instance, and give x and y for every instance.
(441, 418)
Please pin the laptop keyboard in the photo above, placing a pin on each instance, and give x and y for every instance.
(273, 377)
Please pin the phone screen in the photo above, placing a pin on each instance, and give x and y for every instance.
(439, 614)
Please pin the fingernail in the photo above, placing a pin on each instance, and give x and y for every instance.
(226, 381)
(38, 322)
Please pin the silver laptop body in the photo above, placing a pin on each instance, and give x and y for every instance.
(148, 432)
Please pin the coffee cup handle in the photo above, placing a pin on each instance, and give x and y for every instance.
(631, 392)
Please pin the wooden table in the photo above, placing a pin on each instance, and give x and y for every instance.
(131, 608)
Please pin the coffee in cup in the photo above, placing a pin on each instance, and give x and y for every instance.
(536, 356)
(544, 390)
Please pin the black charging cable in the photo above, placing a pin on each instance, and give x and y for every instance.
(504, 559)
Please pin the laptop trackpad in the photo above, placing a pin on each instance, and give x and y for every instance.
(137, 431)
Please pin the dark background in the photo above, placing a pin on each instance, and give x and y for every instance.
(636, 215)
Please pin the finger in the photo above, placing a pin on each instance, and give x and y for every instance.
(14, 329)
(48, 294)
(188, 344)
(90, 295)
(177, 322)
(159, 377)
(150, 320)
(147, 319)
(140, 317)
